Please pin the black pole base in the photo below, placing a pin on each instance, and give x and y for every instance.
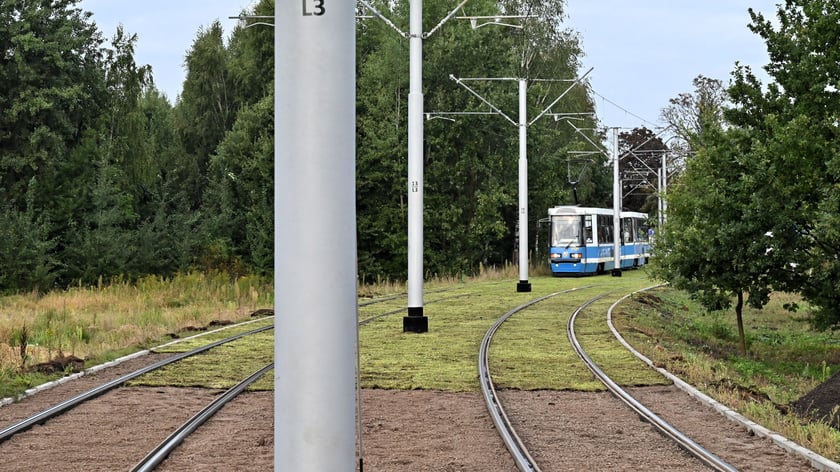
(523, 286)
(415, 322)
(616, 272)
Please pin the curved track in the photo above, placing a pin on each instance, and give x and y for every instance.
(666, 429)
(512, 441)
(523, 459)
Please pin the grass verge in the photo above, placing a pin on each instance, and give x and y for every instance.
(786, 359)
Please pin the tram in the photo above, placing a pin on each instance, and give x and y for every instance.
(581, 240)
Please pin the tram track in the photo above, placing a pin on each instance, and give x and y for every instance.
(111, 412)
(160, 452)
(209, 437)
(685, 442)
(60, 408)
(87, 395)
(517, 434)
(523, 459)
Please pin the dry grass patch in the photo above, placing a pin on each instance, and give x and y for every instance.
(96, 323)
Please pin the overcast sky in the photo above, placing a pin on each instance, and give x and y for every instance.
(643, 51)
(166, 30)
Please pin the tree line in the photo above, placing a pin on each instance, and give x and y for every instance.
(103, 176)
(756, 209)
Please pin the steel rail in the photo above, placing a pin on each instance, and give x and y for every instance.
(162, 451)
(401, 310)
(66, 405)
(696, 450)
(512, 441)
(395, 296)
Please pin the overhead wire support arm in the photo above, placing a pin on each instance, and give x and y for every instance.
(497, 20)
(578, 81)
(444, 115)
(579, 131)
(483, 100)
(488, 79)
(402, 33)
(243, 20)
(436, 113)
(571, 116)
(383, 18)
(444, 20)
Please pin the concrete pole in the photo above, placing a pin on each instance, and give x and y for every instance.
(660, 199)
(664, 188)
(523, 285)
(315, 220)
(415, 321)
(616, 272)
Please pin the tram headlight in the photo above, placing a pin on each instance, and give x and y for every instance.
(557, 256)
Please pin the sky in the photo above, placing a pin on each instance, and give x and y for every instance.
(166, 30)
(643, 52)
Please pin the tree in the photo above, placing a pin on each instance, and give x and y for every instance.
(50, 92)
(110, 168)
(125, 83)
(251, 53)
(688, 111)
(793, 125)
(207, 107)
(239, 201)
(640, 152)
(718, 242)
(168, 228)
(26, 249)
(101, 241)
(543, 39)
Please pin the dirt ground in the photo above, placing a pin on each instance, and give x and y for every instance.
(402, 431)
(823, 402)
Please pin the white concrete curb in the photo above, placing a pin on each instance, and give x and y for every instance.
(96, 368)
(817, 461)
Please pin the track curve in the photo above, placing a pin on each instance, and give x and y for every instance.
(704, 455)
(523, 459)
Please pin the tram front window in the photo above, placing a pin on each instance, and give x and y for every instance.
(565, 231)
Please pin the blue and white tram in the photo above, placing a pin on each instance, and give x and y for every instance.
(635, 241)
(581, 240)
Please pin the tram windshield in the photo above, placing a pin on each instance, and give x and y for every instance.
(565, 230)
